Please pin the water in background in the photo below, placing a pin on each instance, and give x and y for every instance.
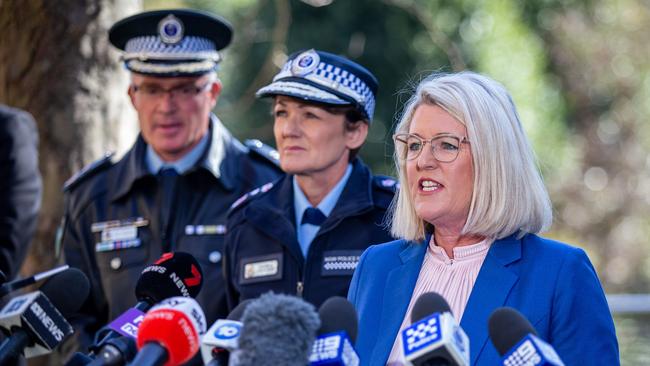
(633, 331)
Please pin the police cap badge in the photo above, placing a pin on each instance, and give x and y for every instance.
(323, 77)
(176, 42)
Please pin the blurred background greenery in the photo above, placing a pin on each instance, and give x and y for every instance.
(578, 71)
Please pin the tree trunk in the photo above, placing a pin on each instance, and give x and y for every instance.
(56, 62)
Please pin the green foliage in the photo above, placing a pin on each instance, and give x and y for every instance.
(505, 48)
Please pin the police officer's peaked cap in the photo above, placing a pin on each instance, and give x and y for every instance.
(175, 42)
(323, 77)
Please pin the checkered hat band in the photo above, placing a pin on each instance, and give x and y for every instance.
(302, 91)
(174, 68)
(151, 47)
(335, 78)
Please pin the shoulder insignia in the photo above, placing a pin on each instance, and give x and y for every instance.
(260, 149)
(89, 170)
(386, 183)
(246, 197)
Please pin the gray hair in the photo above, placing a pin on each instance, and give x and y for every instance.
(509, 195)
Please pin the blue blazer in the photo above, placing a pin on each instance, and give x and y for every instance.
(552, 284)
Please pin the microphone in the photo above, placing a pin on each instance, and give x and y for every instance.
(173, 274)
(332, 346)
(36, 321)
(115, 352)
(434, 337)
(169, 334)
(14, 285)
(278, 330)
(222, 337)
(517, 342)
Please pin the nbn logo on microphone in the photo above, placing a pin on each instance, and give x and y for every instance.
(226, 331)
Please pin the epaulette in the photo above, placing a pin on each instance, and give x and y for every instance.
(386, 183)
(89, 170)
(248, 196)
(260, 149)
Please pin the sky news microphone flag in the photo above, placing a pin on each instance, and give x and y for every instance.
(178, 42)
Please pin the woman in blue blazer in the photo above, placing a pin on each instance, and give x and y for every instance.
(469, 209)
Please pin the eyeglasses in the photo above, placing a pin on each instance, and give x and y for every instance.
(181, 92)
(444, 148)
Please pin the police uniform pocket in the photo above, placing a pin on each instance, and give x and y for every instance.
(206, 249)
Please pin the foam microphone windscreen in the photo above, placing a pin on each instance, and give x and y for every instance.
(507, 327)
(428, 303)
(337, 314)
(277, 330)
(67, 291)
(174, 274)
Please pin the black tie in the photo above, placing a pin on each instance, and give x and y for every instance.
(313, 216)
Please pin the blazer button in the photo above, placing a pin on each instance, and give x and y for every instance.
(116, 263)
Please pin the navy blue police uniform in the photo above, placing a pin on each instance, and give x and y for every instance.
(120, 216)
(262, 252)
(262, 249)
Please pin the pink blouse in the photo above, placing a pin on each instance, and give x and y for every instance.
(451, 278)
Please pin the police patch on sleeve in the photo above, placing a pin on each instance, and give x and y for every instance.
(260, 269)
(340, 262)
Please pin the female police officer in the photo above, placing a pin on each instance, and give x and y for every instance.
(304, 233)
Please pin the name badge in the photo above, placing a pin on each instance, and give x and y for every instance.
(120, 233)
(260, 269)
(340, 262)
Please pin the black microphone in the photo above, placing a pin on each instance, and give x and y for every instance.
(24, 282)
(517, 342)
(434, 337)
(115, 352)
(35, 320)
(173, 274)
(278, 330)
(223, 337)
(337, 334)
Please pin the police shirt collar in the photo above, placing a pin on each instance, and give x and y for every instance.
(357, 193)
(135, 164)
(182, 165)
(326, 206)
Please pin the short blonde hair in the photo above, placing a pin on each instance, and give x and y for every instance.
(509, 195)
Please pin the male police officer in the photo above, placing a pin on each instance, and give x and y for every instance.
(304, 234)
(173, 188)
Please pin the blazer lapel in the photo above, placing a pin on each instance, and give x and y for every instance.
(397, 295)
(493, 284)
